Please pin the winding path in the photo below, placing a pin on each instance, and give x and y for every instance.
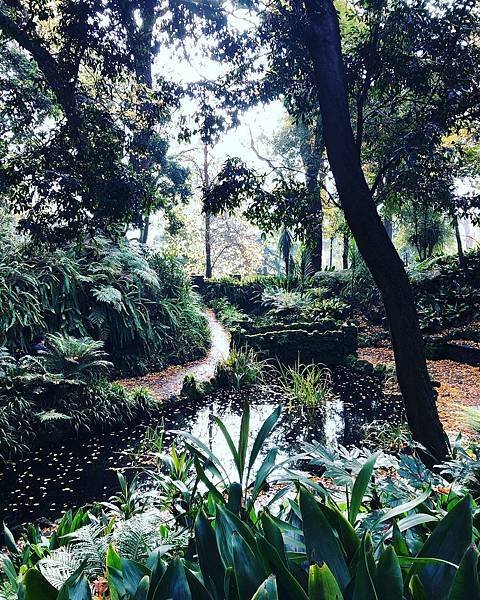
(168, 383)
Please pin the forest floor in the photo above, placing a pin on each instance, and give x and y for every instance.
(459, 387)
(169, 382)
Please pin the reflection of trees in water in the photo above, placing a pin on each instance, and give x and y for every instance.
(80, 472)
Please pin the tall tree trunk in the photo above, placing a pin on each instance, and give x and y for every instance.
(208, 217)
(311, 151)
(317, 251)
(145, 229)
(140, 38)
(346, 245)
(461, 255)
(208, 247)
(330, 262)
(322, 37)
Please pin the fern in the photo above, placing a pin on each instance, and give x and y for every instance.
(136, 537)
(48, 416)
(89, 545)
(109, 295)
(58, 567)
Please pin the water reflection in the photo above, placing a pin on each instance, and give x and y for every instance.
(52, 479)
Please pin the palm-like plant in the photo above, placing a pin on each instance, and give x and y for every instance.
(75, 360)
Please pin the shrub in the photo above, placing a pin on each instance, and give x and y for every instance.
(397, 532)
(242, 369)
(142, 307)
(228, 314)
(61, 392)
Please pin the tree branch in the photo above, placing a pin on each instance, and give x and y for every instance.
(46, 62)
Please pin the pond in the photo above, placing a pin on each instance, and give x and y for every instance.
(76, 472)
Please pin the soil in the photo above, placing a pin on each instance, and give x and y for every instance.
(459, 387)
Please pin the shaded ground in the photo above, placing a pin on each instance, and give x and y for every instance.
(459, 386)
(169, 382)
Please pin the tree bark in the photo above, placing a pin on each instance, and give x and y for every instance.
(322, 37)
(140, 40)
(346, 244)
(461, 255)
(311, 152)
(145, 229)
(63, 89)
(208, 217)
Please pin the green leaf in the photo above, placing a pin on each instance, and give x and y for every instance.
(157, 567)
(249, 571)
(449, 541)
(322, 584)
(416, 588)
(262, 435)
(115, 584)
(288, 586)
(76, 587)
(197, 589)
(37, 587)
(348, 536)
(399, 543)
(9, 570)
(173, 584)
(267, 466)
(203, 447)
(10, 541)
(231, 445)
(388, 580)
(405, 507)
(465, 583)
(204, 479)
(268, 590)
(360, 487)
(234, 502)
(320, 540)
(114, 573)
(226, 524)
(208, 556)
(142, 589)
(274, 536)
(133, 572)
(230, 585)
(243, 441)
(363, 588)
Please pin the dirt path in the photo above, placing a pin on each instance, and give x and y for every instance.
(168, 383)
(459, 387)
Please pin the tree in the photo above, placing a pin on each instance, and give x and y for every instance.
(420, 67)
(322, 38)
(99, 162)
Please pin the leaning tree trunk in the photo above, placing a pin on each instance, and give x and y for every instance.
(322, 37)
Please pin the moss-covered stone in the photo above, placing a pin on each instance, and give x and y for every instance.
(328, 343)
